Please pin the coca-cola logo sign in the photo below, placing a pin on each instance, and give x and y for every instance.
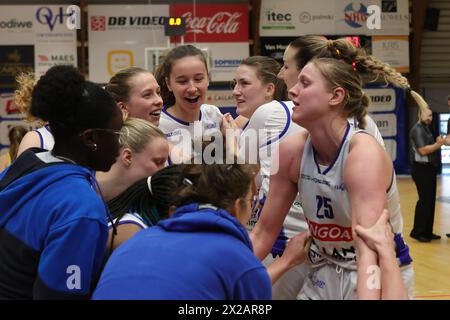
(220, 23)
(214, 23)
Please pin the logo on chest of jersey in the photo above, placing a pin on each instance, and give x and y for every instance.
(173, 133)
(330, 232)
(320, 181)
(210, 125)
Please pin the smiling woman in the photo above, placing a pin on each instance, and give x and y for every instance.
(183, 77)
(137, 94)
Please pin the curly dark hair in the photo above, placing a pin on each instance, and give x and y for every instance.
(69, 103)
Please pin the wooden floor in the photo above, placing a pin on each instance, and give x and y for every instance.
(431, 260)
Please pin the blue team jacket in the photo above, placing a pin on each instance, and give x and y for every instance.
(196, 254)
(53, 230)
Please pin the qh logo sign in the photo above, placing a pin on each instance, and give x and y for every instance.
(51, 18)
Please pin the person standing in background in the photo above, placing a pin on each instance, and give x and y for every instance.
(15, 136)
(424, 168)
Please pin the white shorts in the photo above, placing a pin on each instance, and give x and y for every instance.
(289, 284)
(331, 282)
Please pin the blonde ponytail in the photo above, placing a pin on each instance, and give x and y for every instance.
(423, 105)
(23, 94)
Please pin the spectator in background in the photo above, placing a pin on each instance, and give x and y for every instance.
(15, 135)
(41, 137)
(424, 157)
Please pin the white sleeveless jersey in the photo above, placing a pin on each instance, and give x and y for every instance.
(270, 124)
(130, 218)
(327, 208)
(46, 138)
(184, 134)
(370, 128)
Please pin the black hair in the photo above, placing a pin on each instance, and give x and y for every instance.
(151, 205)
(70, 103)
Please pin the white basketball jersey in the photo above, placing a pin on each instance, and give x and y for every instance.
(46, 137)
(271, 123)
(327, 208)
(130, 218)
(184, 134)
(371, 128)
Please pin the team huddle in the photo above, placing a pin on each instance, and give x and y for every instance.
(140, 190)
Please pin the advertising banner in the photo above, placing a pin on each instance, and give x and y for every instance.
(221, 29)
(41, 30)
(54, 42)
(327, 17)
(388, 110)
(119, 34)
(8, 109)
(14, 59)
(10, 116)
(16, 25)
(33, 38)
(213, 22)
(393, 50)
(274, 47)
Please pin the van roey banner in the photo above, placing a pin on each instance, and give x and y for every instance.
(213, 23)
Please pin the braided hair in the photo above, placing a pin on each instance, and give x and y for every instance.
(310, 47)
(149, 197)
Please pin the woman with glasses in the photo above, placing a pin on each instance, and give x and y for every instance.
(53, 223)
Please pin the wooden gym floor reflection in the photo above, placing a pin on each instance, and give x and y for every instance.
(431, 260)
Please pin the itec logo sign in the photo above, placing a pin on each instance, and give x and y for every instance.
(370, 16)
